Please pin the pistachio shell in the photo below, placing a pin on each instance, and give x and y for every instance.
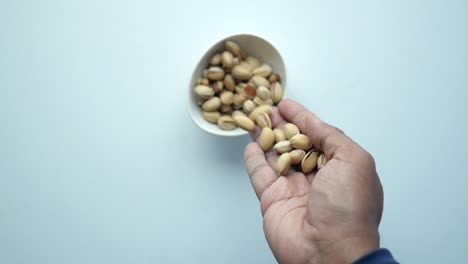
(238, 113)
(263, 93)
(250, 90)
(218, 86)
(216, 59)
(241, 73)
(247, 65)
(212, 104)
(264, 70)
(248, 106)
(258, 81)
(284, 163)
(226, 97)
(262, 119)
(274, 78)
(277, 92)
(322, 160)
(290, 130)
(203, 81)
(227, 60)
(279, 135)
(262, 108)
(309, 162)
(239, 99)
(229, 82)
(282, 146)
(259, 101)
(244, 123)
(253, 61)
(232, 47)
(301, 141)
(266, 138)
(226, 122)
(211, 117)
(226, 109)
(204, 91)
(215, 73)
(297, 156)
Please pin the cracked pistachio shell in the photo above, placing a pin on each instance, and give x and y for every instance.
(238, 113)
(229, 82)
(263, 93)
(248, 106)
(216, 59)
(283, 146)
(235, 49)
(277, 92)
(215, 73)
(258, 81)
(241, 73)
(297, 156)
(264, 70)
(290, 130)
(212, 104)
(262, 119)
(204, 91)
(211, 117)
(266, 139)
(259, 101)
(227, 60)
(244, 123)
(262, 108)
(309, 162)
(226, 122)
(279, 135)
(284, 163)
(254, 62)
(300, 141)
(322, 160)
(226, 97)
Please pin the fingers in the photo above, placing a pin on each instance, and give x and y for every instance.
(260, 172)
(327, 138)
(276, 121)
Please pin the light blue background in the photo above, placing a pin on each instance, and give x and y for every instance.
(100, 162)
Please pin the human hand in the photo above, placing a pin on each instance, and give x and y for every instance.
(331, 216)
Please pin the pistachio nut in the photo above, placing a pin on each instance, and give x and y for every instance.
(215, 73)
(246, 65)
(203, 81)
(262, 119)
(253, 61)
(263, 93)
(226, 122)
(290, 130)
(279, 135)
(264, 70)
(232, 47)
(238, 113)
(211, 117)
(262, 108)
(218, 86)
(297, 156)
(227, 60)
(259, 101)
(244, 123)
(216, 59)
(229, 82)
(212, 104)
(258, 81)
(276, 92)
(274, 78)
(283, 146)
(309, 162)
(300, 141)
(241, 73)
(226, 109)
(322, 160)
(204, 91)
(284, 163)
(248, 106)
(226, 97)
(239, 99)
(266, 139)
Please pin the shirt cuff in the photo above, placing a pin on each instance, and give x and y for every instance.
(378, 256)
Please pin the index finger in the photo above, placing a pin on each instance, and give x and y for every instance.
(327, 138)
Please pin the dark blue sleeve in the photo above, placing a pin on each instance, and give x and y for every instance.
(378, 256)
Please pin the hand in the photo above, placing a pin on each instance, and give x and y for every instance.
(331, 216)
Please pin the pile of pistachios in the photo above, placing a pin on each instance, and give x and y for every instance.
(292, 147)
(233, 85)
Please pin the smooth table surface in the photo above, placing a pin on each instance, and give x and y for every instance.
(100, 162)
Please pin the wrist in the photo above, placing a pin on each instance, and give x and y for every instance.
(348, 250)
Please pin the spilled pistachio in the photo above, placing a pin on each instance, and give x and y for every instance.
(244, 122)
(266, 139)
(282, 146)
(322, 160)
(279, 135)
(284, 163)
(262, 119)
(290, 130)
(309, 162)
(300, 141)
(297, 156)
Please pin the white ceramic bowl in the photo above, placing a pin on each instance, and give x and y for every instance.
(253, 46)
